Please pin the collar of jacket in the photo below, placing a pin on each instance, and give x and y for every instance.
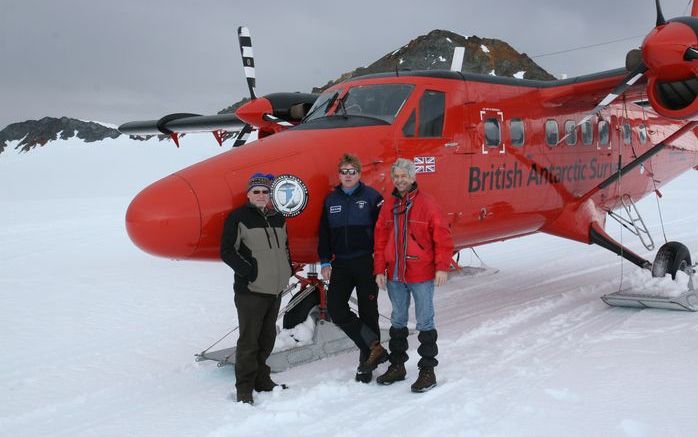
(267, 212)
(359, 189)
(410, 194)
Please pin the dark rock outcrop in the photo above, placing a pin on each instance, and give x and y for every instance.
(434, 51)
(36, 133)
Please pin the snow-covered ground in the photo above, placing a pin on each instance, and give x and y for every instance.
(97, 338)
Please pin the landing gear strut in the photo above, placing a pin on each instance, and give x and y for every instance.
(327, 338)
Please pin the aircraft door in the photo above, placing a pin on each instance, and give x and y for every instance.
(429, 137)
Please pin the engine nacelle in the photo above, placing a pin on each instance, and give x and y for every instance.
(288, 107)
(670, 52)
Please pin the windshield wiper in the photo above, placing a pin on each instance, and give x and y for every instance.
(327, 104)
(341, 105)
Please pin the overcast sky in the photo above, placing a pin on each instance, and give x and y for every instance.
(116, 61)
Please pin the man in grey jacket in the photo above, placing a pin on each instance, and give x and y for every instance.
(255, 246)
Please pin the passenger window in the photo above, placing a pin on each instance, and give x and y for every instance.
(432, 105)
(551, 132)
(603, 132)
(570, 133)
(627, 133)
(643, 133)
(493, 135)
(516, 131)
(408, 129)
(587, 133)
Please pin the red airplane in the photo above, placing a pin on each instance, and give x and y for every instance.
(505, 157)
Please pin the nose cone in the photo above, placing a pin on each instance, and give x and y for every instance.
(165, 219)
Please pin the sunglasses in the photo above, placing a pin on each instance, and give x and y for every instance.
(351, 171)
(260, 191)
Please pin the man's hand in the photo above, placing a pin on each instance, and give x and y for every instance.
(326, 272)
(441, 278)
(380, 280)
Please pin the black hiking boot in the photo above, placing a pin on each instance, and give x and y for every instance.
(425, 381)
(245, 397)
(268, 386)
(363, 374)
(396, 372)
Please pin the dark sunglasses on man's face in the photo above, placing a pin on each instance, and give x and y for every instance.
(260, 191)
(351, 171)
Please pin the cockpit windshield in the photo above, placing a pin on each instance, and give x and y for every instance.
(377, 101)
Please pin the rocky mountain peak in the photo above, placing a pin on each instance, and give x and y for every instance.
(434, 51)
(36, 133)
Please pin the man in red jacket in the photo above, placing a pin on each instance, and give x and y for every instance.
(413, 246)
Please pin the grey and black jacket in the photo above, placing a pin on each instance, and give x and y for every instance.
(254, 244)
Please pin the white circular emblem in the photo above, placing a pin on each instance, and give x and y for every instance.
(289, 195)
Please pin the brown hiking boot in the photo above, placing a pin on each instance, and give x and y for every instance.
(425, 381)
(377, 356)
(396, 372)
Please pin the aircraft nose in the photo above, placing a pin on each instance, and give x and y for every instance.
(165, 219)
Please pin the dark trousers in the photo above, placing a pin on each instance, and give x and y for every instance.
(347, 275)
(257, 315)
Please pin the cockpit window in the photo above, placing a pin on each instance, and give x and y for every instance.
(377, 101)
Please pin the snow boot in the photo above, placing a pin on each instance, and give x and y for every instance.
(425, 381)
(396, 372)
(245, 397)
(398, 355)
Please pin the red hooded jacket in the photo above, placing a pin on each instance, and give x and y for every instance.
(412, 238)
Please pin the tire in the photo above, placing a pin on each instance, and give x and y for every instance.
(671, 257)
(300, 312)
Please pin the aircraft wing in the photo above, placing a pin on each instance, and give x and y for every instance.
(183, 123)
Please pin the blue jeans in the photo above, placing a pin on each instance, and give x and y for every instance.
(423, 293)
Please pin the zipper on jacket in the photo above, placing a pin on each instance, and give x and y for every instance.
(266, 230)
(275, 236)
(347, 205)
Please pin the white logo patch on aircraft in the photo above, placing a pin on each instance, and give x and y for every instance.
(289, 195)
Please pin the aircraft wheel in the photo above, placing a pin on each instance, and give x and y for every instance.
(671, 257)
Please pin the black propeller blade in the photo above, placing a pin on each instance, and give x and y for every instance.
(660, 16)
(247, 59)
